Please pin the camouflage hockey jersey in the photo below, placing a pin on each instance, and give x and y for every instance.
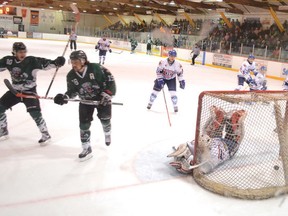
(23, 73)
(89, 84)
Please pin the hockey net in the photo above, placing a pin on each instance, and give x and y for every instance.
(258, 167)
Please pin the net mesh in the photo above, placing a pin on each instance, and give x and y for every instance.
(259, 168)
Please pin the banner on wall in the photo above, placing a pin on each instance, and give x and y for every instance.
(17, 20)
(156, 50)
(222, 60)
(284, 70)
(34, 19)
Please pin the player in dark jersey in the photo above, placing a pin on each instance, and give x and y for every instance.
(23, 70)
(89, 81)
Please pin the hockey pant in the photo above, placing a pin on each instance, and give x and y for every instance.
(171, 84)
(73, 44)
(86, 117)
(102, 55)
(8, 100)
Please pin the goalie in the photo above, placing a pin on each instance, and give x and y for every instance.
(220, 140)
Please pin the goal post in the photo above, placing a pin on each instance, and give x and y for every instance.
(253, 127)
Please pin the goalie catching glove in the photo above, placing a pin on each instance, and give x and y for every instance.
(61, 99)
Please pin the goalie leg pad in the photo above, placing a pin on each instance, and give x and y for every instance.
(215, 124)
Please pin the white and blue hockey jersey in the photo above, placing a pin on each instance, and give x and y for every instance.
(246, 68)
(168, 72)
(103, 44)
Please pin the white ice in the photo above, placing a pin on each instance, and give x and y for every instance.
(130, 177)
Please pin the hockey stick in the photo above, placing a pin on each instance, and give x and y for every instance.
(57, 68)
(35, 96)
(166, 107)
(118, 52)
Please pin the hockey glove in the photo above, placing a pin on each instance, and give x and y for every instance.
(59, 61)
(61, 99)
(110, 50)
(105, 98)
(160, 83)
(97, 47)
(182, 84)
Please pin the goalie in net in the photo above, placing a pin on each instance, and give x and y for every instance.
(220, 140)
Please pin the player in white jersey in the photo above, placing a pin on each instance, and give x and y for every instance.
(244, 73)
(259, 82)
(219, 141)
(103, 45)
(167, 71)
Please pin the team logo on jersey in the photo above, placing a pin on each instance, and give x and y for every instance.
(88, 90)
(17, 74)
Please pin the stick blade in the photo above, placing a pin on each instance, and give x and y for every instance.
(10, 87)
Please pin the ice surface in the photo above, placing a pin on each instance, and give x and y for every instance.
(130, 177)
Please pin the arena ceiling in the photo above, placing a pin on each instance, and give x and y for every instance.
(173, 7)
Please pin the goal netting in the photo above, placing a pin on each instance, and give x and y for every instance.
(253, 161)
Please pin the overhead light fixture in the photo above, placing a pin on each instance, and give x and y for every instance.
(172, 3)
(92, 0)
(138, 6)
(61, 6)
(50, 7)
(84, 11)
(42, 9)
(209, 9)
(97, 10)
(74, 3)
(115, 8)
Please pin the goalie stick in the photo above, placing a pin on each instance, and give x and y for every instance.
(23, 95)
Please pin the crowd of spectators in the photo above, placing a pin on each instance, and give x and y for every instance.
(251, 33)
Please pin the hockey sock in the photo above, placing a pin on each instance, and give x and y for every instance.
(103, 60)
(40, 122)
(85, 134)
(106, 124)
(174, 98)
(153, 96)
(3, 121)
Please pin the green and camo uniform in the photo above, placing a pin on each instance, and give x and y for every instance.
(88, 86)
(23, 74)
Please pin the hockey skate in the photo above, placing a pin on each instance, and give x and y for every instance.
(149, 106)
(107, 139)
(86, 154)
(4, 134)
(175, 109)
(45, 139)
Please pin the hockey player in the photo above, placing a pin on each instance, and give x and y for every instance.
(73, 39)
(149, 46)
(23, 74)
(134, 44)
(220, 140)
(244, 73)
(166, 74)
(259, 82)
(196, 53)
(103, 46)
(93, 82)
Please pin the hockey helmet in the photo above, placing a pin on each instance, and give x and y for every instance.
(172, 53)
(251, 56)
(79, 55)
(17, 46)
